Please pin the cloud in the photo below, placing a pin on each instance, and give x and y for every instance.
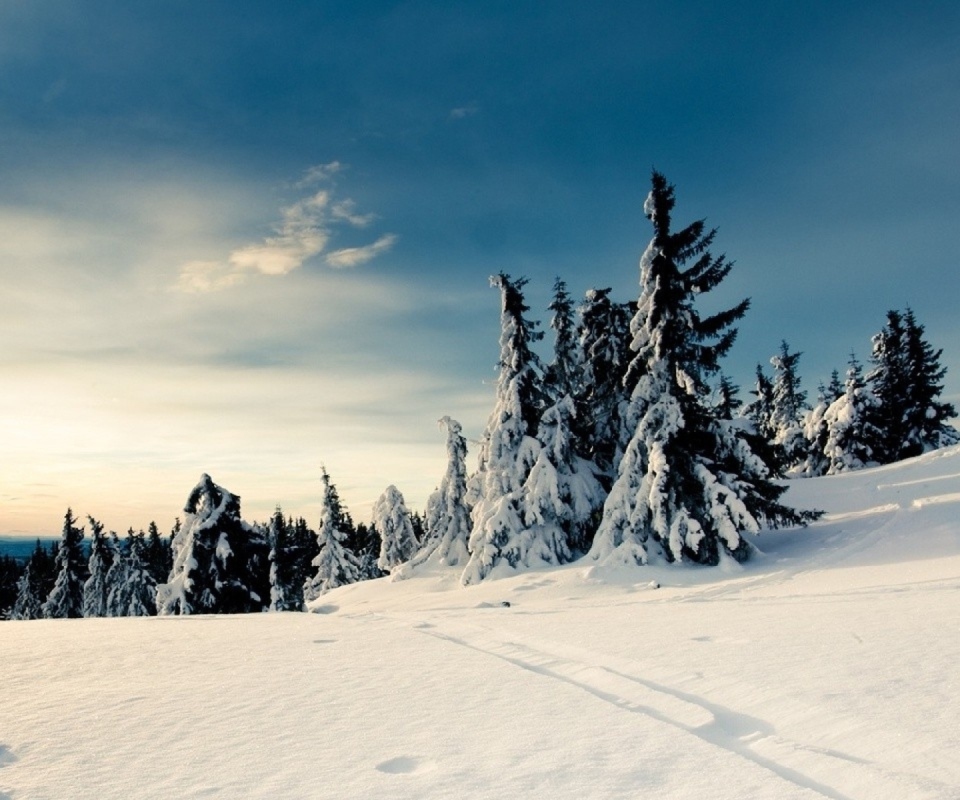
(462, 112)
(354, 256)
(305, 229)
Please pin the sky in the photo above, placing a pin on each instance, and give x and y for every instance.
(255, 241)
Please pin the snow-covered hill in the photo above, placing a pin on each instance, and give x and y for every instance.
(825, 667)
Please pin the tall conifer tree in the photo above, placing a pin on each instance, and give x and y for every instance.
(66, 597)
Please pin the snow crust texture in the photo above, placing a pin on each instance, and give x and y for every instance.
(826, 667)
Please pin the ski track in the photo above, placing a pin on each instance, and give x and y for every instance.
(828, 772)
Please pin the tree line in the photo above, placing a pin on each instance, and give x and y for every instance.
(630, 446)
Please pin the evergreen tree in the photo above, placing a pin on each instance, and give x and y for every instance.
(29, 602)
(391, 520)
(508, 449)
(10, 573)
(561, 495)
(689, 484)
(118, 575)
(816, 431)
(448, 518)
(760, 410)
(852, 436)
(788, 407)
(906, 380)
(727, 404)
(95, 589)
(220, 562)
(604, 343)
(159, 557)
(66, 598)
(336, 565)
(286, 581)
(141, 588)
(562, 375)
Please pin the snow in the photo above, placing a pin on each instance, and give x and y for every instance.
(824, 667)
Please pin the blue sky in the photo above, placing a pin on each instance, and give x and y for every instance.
(250, 240)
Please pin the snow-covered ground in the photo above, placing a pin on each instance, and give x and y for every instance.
(827, 667)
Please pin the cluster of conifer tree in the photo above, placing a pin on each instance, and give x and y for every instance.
(629, 447)
(890, 413)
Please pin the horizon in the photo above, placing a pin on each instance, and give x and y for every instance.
(251, 242)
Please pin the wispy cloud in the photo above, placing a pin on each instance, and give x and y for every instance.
(303, 232)
(462, 112)
(354, 256)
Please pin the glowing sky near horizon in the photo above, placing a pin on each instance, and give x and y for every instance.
(250, 240)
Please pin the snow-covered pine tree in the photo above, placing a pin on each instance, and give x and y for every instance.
(604, 343)
(688, 484)
(286, 583)
(118, 597)
(561, 495)
(816, 432)
(391, 520)
(851, 434)
(29, 602)
(336, 565)
(788, 407)
(66, 597)
(727, 402)
(448, 518)
(508, 449)
(760, 410)
(96, 588)
(141, 588)
(563, 374)
(906, 380)
(220, 562)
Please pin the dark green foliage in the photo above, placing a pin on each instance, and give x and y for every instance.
(66, 597)
(10, 573)
(286, 565)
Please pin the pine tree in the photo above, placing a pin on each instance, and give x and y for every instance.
(816, 431)
(448, 518)
(29, 602)
(788, 407)
(220, 562)
(508, 449)
(562, 375)
(95, 590)
(66, 597)
(727, 403)
(604, 343)
(852, 436)
(286, 581)
(760, 410)
(906, 380)
(118, 575)
(391, 519)
(561, 495)
(336, 565)
(10, 573)
(141, 589)
(158, 554)
(689, 484)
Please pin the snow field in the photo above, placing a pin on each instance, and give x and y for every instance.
(826, 667)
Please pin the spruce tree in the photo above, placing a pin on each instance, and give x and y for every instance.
(391, 520)
(141, 589)
(335, 564)
(852, 437)
(118, 583)
(788, 407)
(604, 344)
(509, 448)
(220, 563)
(906, 380)
(29, 601)
(95, 589)
(561, 495)
(66, 598)
(447, 521)
(760, 410)
(689, 484)
(816, 431)
(10, 573)
(563, 375)
(286, 581)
